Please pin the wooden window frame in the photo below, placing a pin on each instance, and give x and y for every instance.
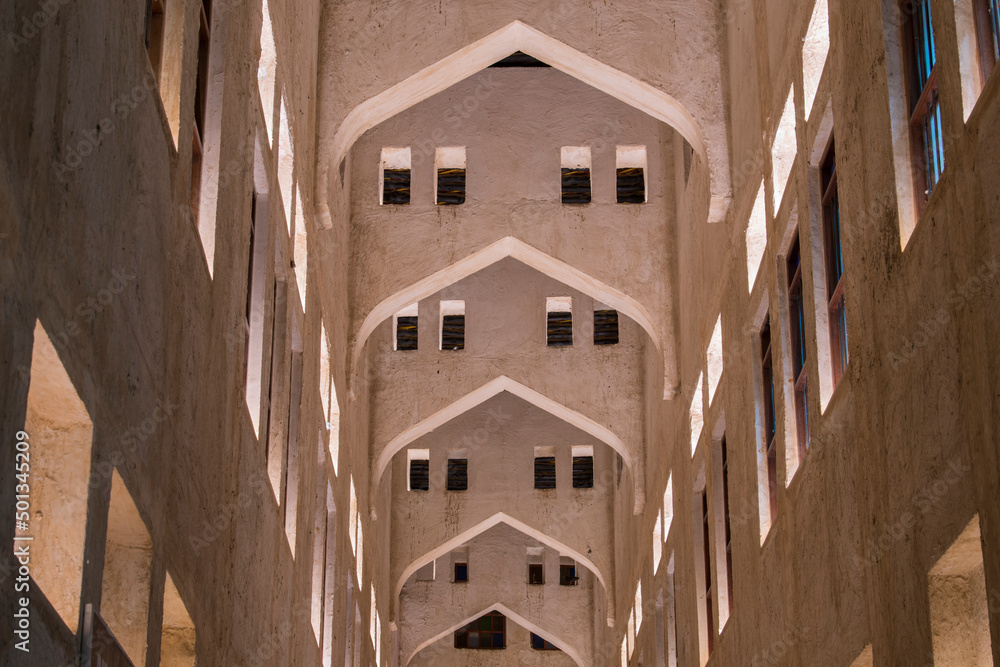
(833, 252)
(923, 100)
(799, 344)
(988, 33)
(498, 627)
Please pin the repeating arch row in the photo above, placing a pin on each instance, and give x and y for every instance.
(488, 391)
(491, 254)
(516, 36)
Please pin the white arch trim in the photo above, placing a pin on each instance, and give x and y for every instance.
(484, 257)
(520, 526)
(516, 36)
(566, 647)
(488, 391)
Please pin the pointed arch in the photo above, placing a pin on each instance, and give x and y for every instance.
(516, 36)
(482, 527)
(488, 391)
(496, 251)
(565, 646)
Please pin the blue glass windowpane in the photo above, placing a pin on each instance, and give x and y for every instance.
(995, 23)
(923, 33)
(934, 142)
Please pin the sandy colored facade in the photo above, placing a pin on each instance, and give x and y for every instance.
(204, 287)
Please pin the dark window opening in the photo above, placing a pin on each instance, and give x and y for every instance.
(420, 475)
(519, 59)
(154, 34)
(797, 331)
(458, 474)
(728, 523)
(708, 570)
(200, 105)
(540, 644)
(545, 472)
(201, 87)
(485, 632)
(453, 332)
(536, 574)
(631, 185)
(688, 159)
(567, 575)
(395, 186)
(451, 187)
(461, 572)
(575, 185)
(834, 266)
(250, 272)
(559, 329)
(767, 394)
(605, 327)
(583, 472)
(253, 225)
(406, 332)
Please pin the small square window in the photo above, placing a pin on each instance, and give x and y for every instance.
(605, 326)
(395, 176)
(567, 572)
(458, 474)
(406, 329)
(540, 644)
(576, 175)
(559, 321)
(461, 572)
(419, 475)
(545, 472)
(450, 187)
(631, 174)
(583, 472)
(396, 186)
(536, 574)
(452, 325)
(406, 333)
